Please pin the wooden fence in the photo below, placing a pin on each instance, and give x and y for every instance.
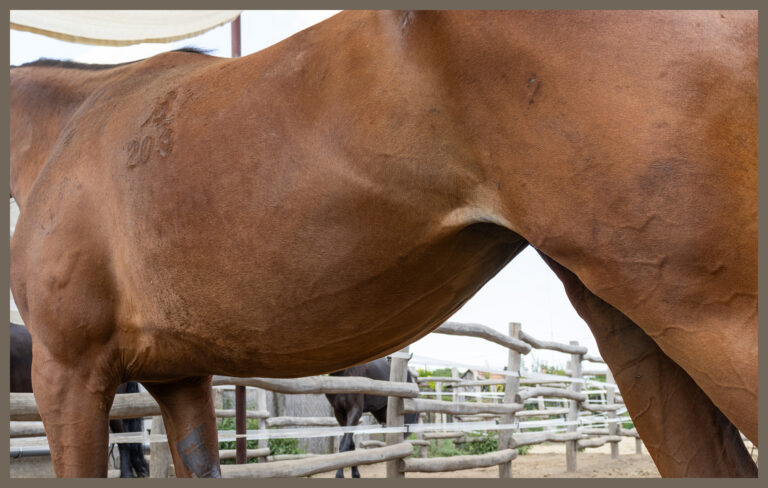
(508, 412)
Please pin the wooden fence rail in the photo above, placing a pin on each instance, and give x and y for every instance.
(548, 392)
(325, 384)
(484, 332)
(414, 405)
(405, 398)
(456, 463)
(553, 346)
(571, 390)
(317, 464)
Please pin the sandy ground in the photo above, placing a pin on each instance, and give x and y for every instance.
(541, 461)
(546, 461)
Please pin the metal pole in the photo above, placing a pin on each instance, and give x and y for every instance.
(236, 37)
(240, 444)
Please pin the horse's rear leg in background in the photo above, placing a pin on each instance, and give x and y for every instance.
(347, 443)
(190, 423)
(132, 459)
(685, 433)
(74, 405)
(116, 426)
(135, 451)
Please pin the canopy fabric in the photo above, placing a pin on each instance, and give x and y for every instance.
(120, 27)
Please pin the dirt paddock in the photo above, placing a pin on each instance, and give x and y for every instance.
(546, 461)
(541, 461)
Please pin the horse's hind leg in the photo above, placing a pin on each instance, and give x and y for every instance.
(74, 405)
(350, 417)
(353, 417)
(341, 418)
(137, 461)
(131, 454)
(683, 430)
(190, 423)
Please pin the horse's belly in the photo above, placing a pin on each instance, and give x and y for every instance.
(319, 315)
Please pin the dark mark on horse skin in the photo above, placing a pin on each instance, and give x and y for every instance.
(195, 456)
(531, 81)
(535, 90)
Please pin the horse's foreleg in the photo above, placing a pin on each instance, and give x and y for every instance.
(190, 422)
(683, 430)
(74, 405)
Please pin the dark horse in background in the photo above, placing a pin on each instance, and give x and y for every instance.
(349, 407)
(132, 461)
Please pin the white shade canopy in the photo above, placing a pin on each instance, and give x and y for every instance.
(120, 27)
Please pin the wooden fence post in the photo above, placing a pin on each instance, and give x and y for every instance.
(511, 388)
(455, 396)
(159, 452)
(261, 404)
(455, 375)
(571, 447)
(439, 396)
(638, 442)
(613, 428)
(420, 436)
(398, 372)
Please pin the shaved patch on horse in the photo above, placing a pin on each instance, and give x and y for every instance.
(195, 455)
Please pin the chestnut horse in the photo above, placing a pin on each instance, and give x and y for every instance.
(336, 196)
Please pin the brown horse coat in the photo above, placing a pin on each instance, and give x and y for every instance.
(338, 195)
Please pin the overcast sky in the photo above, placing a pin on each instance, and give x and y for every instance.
(525, 291)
